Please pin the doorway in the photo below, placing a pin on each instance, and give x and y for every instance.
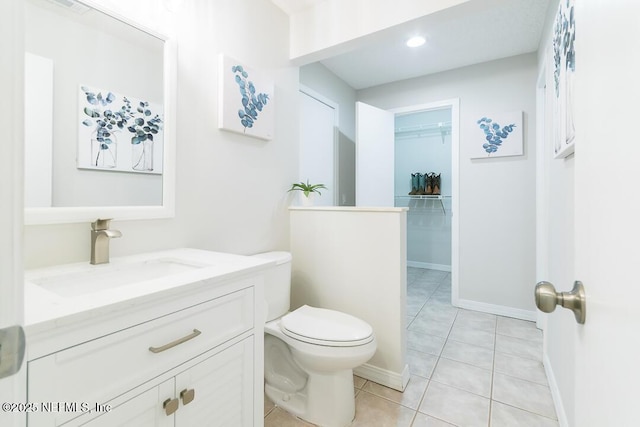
(318, 152)
(375, 156)
(423, 184)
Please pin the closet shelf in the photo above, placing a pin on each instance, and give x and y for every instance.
(441, 128)
(440, 198)
(424, 196)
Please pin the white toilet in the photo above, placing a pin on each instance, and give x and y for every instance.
(310, 353)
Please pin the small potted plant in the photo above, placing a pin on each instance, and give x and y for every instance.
(308, 190)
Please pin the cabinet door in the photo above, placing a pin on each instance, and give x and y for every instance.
(221, 387)
(143, 410)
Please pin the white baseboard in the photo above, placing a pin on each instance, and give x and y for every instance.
(394, 380)
(555, 392)
(500, 310)
(430, 266)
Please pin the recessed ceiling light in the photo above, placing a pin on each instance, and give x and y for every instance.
(416, 41)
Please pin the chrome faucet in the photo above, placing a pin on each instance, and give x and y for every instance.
(100, 235)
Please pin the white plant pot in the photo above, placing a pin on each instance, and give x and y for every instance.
(307, 200)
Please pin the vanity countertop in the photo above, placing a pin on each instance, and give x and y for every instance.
(49, 310)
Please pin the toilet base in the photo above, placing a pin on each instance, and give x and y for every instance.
(331, 396)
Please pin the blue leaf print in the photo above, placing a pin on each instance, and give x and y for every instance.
(252, 101)
(494, 134)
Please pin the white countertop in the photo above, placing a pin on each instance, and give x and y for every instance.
(45, 309)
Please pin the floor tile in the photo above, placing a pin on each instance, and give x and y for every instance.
(441, 293)
(281, 418)
(472, 354)
(519, 367)
(409, 320)
(470, 335)
(375, 411)
(419, 291)
(421, 364)
(463, 376)
(430, 327)
(472, 319)
(507, 416)
(445, 314)
(268, 405)
(434, 274)
(414, 306)
(518, 329)
(432, 282)
(523, 394)
(445, 403)
(411, 397)
(519, 347)
(425, 343)
(358, 382)
(424, 420)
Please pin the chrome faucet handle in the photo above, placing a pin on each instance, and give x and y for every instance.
(101, 224)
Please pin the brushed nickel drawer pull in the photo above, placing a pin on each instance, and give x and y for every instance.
(187, 396)
(170, 406)
(179, 341)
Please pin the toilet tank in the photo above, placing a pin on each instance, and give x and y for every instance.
(277, 284)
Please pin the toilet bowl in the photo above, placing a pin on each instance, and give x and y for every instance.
(310, 354)
(309, 370)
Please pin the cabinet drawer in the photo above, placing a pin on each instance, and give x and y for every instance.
(98, 370)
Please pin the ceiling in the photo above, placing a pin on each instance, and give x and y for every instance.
(473, 32)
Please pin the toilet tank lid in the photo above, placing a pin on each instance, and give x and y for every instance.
(280, 257)
(326, 325)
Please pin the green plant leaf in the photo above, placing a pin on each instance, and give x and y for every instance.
(307, 188)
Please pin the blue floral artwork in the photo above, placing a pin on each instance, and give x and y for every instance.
(494, 134)
(502, 135)
(246, 101)
(564, 66)
(252, 102)
(119, 133)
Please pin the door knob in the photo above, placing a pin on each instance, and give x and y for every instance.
(547, 298)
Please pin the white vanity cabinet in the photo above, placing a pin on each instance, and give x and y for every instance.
(192, 357)
(217, 385)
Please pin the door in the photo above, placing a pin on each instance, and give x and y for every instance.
(218, 392)
(374, 156)
(12, 384)
(607, 211)
(143, 410)
(317, 145)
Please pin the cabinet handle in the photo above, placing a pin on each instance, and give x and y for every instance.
(170, 406)
(179, 341)
(187, 395)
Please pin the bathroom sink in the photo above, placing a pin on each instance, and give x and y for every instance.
(95, 278)
(82, 290)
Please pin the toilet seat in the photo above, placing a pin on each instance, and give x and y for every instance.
(326, 327)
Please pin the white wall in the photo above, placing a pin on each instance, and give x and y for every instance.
(497, 196)
(231, 189)
(317, 77)
(353, 260)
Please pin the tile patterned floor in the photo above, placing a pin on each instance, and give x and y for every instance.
(467, 369)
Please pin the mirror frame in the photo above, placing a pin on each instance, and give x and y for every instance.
(60, 215)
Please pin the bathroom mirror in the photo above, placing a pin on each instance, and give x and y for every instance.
(99, 115)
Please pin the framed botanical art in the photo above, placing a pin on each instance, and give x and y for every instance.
(497, 135)
(564, 67)
(119, 133)
(246, 100)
